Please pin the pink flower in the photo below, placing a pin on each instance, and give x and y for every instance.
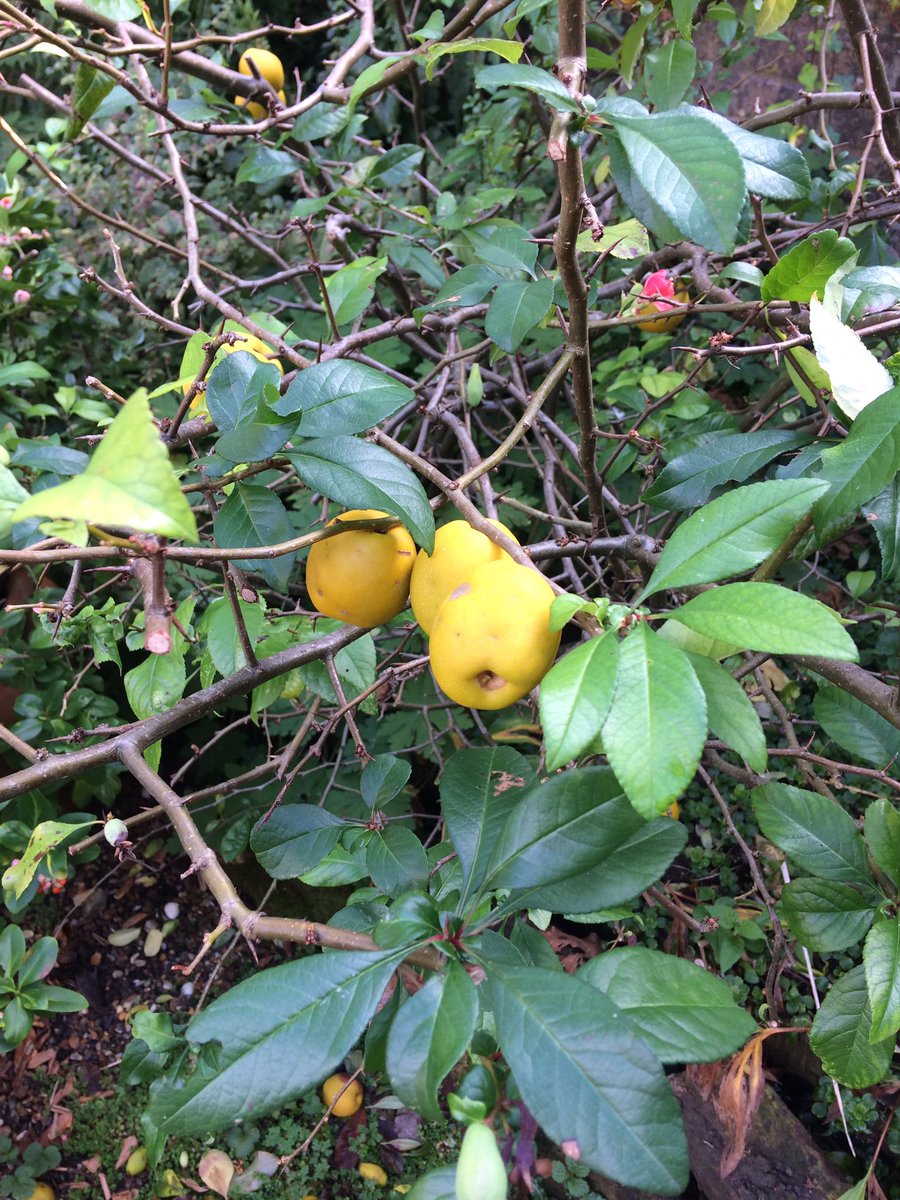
(6, 273)
(6, 201)
(25, 232)
(659, 284)
(21, 296)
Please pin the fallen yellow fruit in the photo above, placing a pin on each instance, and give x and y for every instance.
(42, 1191)
(257, 111)
(491, 642)
(137, 1161)
(374, 1172)
(458, 550)
(361, 577)
(349, 1102)
(268, 65)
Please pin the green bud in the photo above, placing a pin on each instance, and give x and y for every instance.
(115, 831)
(480, 1172)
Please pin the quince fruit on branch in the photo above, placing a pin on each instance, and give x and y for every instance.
(269, 67)
(660, 288)
(458, 550)
(360, 576)
(491, 641)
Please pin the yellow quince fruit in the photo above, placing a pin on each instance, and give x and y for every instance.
(361, 577)
(491, 641)
(269, 66)
(458, 550)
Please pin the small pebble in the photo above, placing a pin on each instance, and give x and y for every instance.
(187, 989)
(171, 910)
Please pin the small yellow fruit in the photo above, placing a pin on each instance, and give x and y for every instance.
(42, 1191)
(137, 1161)
(360, 577)
(269, 66)
(351, 1100)
(374, 1172)
(673, 811)
(491, 642)
(257, 111)
(253, 345)
(458, 550)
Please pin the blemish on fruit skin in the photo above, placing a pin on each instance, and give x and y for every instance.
(490, 681)
(462, 590)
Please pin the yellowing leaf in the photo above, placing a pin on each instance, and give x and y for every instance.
(773, 15)
(217, 1171)
(43, 838)
(857, 377)
(128, 483)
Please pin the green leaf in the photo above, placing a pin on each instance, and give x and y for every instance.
(689, 479)
(573, 844)
(319, 122)
(12, 949)
(691, 169)
(507, 247)
(732, 534)
(840, 1035)
(511, 51)
(816, 833)
(465, 287)
(515, 310)
(265, 165)
(340, 397)
(635, 197)
(294, 839)
(218, 626)
(369, 79)
(236, 388)
(609, 1095)
(732, 716)
(359, 475)
(45, 998)
(128, 483)
(43, 838)
(683, 1013)
(764, 616)
(772, 14)
(881, 958)
(155, 1028)
(772, 168)
(11, 496)
(627, 239)
(90, 89)
(321, 1004)
(826, 915)
(631, 46)
(254, 516)
(413, 918)
(439, 1184)
(669, 72)
(532, 79)
(479, 789)
(883, 514)
(395, 858)
(156, 684)
(864, 463)
(656, 727)
(429, 1034)
(807, 267)
(39, 960)
(683, 12)
(882, 835)
(351, 288)
(855, 727)
(383, 778)
(575, 697)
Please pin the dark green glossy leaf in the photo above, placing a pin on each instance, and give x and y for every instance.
(428, 1036)
(816, 833)
(668, 73)
(340, 397)
(840, 1034)
(864, 463)
(688, 481)
(609, 1095)
(515, 310)
(359, 475)
(532, 79)
(881, 958)
(732, 716)
(383, 778)
(883, 514)
(254, 516)
(321, 1004)
(396, 860)
(826, 915)
(882, 835)
(685, 1014)
(479, 790)
(855, 727)
(294, 839)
